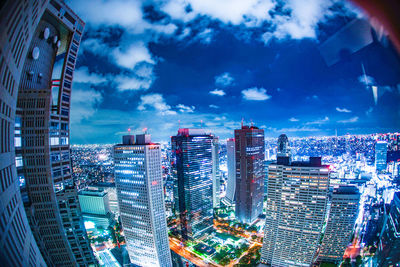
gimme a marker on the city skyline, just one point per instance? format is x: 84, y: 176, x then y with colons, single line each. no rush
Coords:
x: 157, y: 66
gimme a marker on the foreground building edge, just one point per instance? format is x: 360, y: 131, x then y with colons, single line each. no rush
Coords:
x: 19, y: 21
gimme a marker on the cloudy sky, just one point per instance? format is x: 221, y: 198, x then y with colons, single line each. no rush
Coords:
x: 296, y: 67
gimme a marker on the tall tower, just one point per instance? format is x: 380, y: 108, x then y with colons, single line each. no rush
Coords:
x: 380, y: 155
x: 38, y: 35
x: 192, y: 165
x: 283, y: 149
x: 215, y: 172
x: 139, y: 184
x: 342, y: 216
x: 231, y: 164
x: 249, y: 158
x: 296, y: 207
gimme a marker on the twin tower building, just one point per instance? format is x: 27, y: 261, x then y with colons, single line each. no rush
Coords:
x: 298, y: 194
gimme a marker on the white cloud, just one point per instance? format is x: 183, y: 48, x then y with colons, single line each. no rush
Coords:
x: 319, y: 121
x: 351, y: 120
x: 224, y: 80
x: 257, y: 94
x: 366, y: 80
x: 83, y: 102
x: 131, y: 83
x: 188, y: 109
x: 293, y: 119
x: 82, y: 75
x: 218, y: 92
x: 129, y: 57
x: 344, y: 110
x: 213, y: 106
x: 157, y: 102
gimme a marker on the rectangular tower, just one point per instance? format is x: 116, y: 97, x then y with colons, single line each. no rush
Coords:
x: 231, y: 165
x: 215, y: 172
x: 342, y: 216
x: 139, y: 186
x: 296, y: 206
x: 249, y: 158
x: 380, y: 155
x: 192, y: 165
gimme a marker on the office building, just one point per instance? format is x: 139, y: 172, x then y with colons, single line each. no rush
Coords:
x: 95, y: 207
x: 295, y: 213
x: 339, y: 229
x: 389, y: 245
x: 231, y: 165
x: 139, y: 186
x: 380, y: 155
x: 249, y: 160
x: 192, y: 167
x: 215, y: 173
x: 36, y: 36
x: 283, y: 147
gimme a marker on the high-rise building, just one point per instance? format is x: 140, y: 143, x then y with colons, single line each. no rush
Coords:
x: 249, y: 160
x: 342, y: 216
x: 215, y: 173
x: 389, y: 245
x: 231, y: 165
x: 95, y: 207
x: 283, y: 148
x: 140, y: 194
x: 36, y: 36
x: 295, y: 213
x: 192, y: 167
x: 380, y: 155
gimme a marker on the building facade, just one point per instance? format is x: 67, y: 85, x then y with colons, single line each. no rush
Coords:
x: 231, y: 166
x: 95, y: 207
x: 216, y: 173
x: 389, y: 245
x: 283, y: 148
x: 380, y: 155
x: 192, y: 166
x: 34, y: 35
x: 249, y: 162
x: 295, y: 212
x: 139, y: 186
x: 342, y: 216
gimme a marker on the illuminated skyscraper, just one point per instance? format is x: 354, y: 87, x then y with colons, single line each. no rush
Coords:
x: 342, y: 216
x: 139, y: 183
x: 215, y: 173
x: 296, y: 209
x: 39, y: 38
x: 380, y: 155
x: 192, y: 165
x: 231, y: 164
x: 249, y: 158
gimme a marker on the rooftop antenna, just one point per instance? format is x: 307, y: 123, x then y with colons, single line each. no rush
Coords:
x: 145, y: 130
x: 179, y: 124
x: 242, y: 122
x: 129, y: 131
x: 251, y: 122
x: 201, y: 123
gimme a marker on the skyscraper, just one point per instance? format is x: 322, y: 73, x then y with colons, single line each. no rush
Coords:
x: 380, y: 155
x: 342, y: 216
x: 249, y: 160
x: 215, y: 172
x: 95, y: 207
x: 231, y: 164
x: 139, y: 186
x: 283, y: 148
x: 192, y: 166
x: 389, y: 245
x: 296, y: 208
x: 36, y: 35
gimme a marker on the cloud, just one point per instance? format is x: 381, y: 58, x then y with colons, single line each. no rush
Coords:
x: 366, y: 80
x: 351, y: 120
x: 213, y: 106
x: 83, y: 102
x: 218, y: 92
x: 142, y: 77
x: 257, y: 94
x: 157, y: 102
x: 129, y: 57
x: 293, y: 119
x: 224, y: 80
x: 320, y: 121
x: 182, y: 108
x: 345, y: 110
x: 82, y: 75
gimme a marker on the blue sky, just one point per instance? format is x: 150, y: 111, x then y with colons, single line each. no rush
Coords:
x: 290, y: 67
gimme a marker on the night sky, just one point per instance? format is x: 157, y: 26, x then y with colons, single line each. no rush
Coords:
x: 207, y: 63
